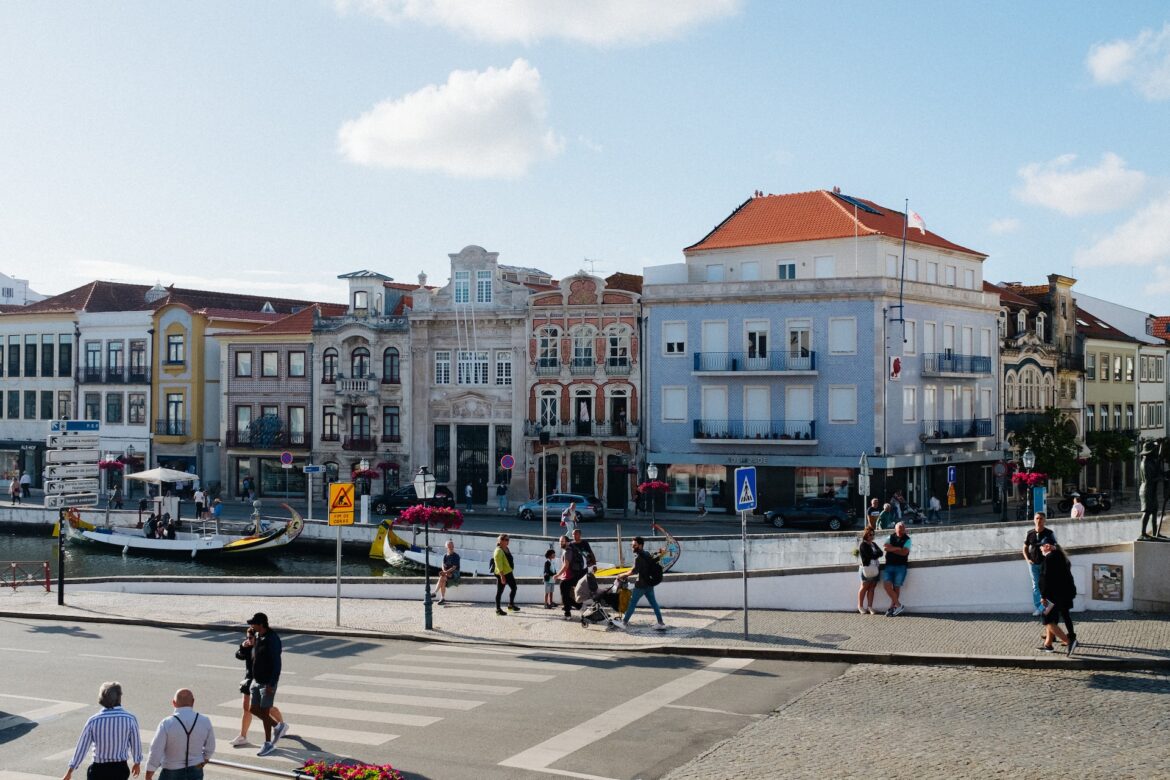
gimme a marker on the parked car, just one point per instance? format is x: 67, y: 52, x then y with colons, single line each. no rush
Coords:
x: 394, y: 502
x: 823, y: 512
x: 588, y: 507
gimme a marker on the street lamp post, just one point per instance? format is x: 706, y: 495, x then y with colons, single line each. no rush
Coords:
x: 424, y: 490
x: 1029, y: 459
x: 652, y: 474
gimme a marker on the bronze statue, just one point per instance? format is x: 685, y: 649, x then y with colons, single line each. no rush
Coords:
x: 1151, y: 469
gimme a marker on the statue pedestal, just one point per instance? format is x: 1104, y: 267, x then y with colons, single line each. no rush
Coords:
x: 1151, y: 576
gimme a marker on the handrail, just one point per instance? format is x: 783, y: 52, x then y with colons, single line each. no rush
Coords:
x: 13, y: 574
x: 261, y: 770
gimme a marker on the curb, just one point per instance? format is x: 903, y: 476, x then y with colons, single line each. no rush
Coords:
x: 1060, y: 662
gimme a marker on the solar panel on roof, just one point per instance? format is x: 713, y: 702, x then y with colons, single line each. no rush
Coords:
x: 855, y: 202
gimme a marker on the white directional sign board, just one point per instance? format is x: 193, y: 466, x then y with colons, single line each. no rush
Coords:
x: 71, y: 470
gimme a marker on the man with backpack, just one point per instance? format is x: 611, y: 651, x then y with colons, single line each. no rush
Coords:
x: 648, y: 572
x: 573, y: 568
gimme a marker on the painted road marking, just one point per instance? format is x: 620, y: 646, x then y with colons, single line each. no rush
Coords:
x: 381, y: 698
x: 493, y: 663
x: 426, y: 685
x: 517, y: 651
x: 345, y: 713
x: 540, y: 757
x: 125, y: 658
x: 712, y: 710
x: 49, y: 711
x: 21, y: 650
x: 232, y: 723
x: 441, y: 672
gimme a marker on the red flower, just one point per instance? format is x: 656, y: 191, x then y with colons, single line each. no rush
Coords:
x: 1031, y: 480
x: 449, y: 519
x: 653, y: 486
x: 116, y: 465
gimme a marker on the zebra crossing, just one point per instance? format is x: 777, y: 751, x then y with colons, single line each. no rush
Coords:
x: 364, y: 704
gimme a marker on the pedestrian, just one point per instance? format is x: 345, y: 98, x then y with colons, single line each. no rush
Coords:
x: 872, y: 514
x: 449, y: 574
x: 502, y: 496
x: 647, y: 573
x: 1058, y: 590
x: 701, y: 500
x: 244, y: 653
x: 467, y: 496
x: 572, y: 569
x: 885, y: 518
x: 266, y: 658
x: 897, y: 549
x: 898, y: 502
x: 502, y: 568
x: 550, y: 573
x: 183, y: 743
x: 933, y: 510
x: 26, y: 484
x: 116, y: 498
x: 1032, y: 554
x: 1078, y: 509
x: 570, y: 518
x: 14, y: 490
x: 200, y: 503
x: 113, y: 732
x: 216, y: 511
x: 583, y: 548
x: 868, y: 552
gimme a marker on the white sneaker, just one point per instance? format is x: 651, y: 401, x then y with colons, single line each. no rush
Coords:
x: 279, y: 732
x: 659, y: 626
x: 619, y: 623
x: 1037, y: 612
x: 239, y: 741
x: 266, y: 749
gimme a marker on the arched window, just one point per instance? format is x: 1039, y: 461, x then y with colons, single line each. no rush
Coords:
x: 329, y: 366
x: 1021, y: 322
x: 1003, y: 323
x: 583, y: 349
x: 390, y: 366
x: 1012, y: 389
x: 549, y: 409
x: 359, y: 362
x: 1040, y: 326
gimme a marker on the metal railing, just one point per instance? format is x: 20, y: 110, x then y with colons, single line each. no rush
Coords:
x: 1070, y: 361
x: 276, y: 440
x: 330, y: 437
x: 360, y: 443
x: 619, y: 430
x: 617, y: 366
x: 391, y: 438
x: 778, y: 430
x: 956, y: 429
x: 548, y: 366
x: 748, y: 362
x: 170, y: 427
x: 13, y: 574
x: 582, y: 365
x: 954, y: 363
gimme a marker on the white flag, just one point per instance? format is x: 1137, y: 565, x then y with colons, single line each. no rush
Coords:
x: 917, y: 222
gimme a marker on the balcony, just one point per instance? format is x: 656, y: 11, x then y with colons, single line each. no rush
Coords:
x: 138, y: 376
x: 617, y: 366
x: 365, y: 443
x: 582, y: 366
x: 582, y: 429
x: 1014, y: 422
x: 89, y: 375
x: 803, y: 432
x: 938, y: 363
x: 170, y: 427
x: 330, y: 437
x: 391, y: 438
x: 356, y: 386
x: 1070, y: 361
x: 752, y: 363
x: 548, y: 367
x: 935, y: 430
x: 277, y: 440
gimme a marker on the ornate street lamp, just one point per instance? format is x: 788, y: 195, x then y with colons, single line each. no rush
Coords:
x: 424, y: 490
x: 652, y: 474
x: 1029, y: 459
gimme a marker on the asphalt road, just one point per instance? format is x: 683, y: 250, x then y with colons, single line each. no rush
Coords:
x: 431, y: 710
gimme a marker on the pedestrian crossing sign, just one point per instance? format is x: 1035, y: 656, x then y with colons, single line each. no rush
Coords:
x: 341, y: 503
x: 745, y: 488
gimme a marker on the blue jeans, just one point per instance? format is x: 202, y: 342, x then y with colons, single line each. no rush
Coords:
x: 503, y: 501
x: 932, y: 516
x: 636, y: 596
x: 1035, y: 569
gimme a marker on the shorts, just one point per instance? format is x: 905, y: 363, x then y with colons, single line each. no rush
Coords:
x: 874, y: 578
x: 263, y: 696
x: 895, y: 575
x: 1052, y: 616
x: 550, y: 587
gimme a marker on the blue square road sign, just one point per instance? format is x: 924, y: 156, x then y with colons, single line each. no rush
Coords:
x: 745, y: 488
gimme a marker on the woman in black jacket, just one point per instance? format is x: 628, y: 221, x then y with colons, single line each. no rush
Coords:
x: 868, y: 552
x: 1057, y: 591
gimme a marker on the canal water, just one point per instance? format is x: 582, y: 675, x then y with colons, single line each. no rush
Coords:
x: 295, y: 560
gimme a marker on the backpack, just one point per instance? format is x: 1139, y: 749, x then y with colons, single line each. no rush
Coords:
x: 577, y: 561
x: 654, y: 572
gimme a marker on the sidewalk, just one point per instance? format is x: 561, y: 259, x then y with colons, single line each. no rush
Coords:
x: 1108, y: 640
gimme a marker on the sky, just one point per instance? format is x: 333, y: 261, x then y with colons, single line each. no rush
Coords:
x: 267, y: 147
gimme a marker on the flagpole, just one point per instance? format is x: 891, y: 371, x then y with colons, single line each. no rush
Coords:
x: 902, y: 273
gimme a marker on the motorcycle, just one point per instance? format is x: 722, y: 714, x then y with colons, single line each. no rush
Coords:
x: 1094, y: 502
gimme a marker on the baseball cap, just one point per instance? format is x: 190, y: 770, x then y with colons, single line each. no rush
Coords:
x: 259, y: 619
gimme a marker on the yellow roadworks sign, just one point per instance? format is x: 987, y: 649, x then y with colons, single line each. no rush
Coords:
x: 341, y: 503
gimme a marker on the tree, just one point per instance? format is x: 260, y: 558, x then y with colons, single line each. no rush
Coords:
x: 1054, y: 441
x: 1109, y: 447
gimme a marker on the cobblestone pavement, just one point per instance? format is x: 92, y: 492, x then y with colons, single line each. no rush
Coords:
x: 956, y: 722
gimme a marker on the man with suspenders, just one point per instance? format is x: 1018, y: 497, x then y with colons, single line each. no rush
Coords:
x: 183, y: 743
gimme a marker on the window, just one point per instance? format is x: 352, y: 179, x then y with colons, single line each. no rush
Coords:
x: 359, y: 363
x: 674, y: 404
x: 30, y: 356
x: 548, y: 348
x: 1040, y: 326
x: 910, y: 338
x: 931, y: 272
x: 176, y: 351
x: 296, y: 426
x: 1117, y: 368
x: 136, y: 408
x: 114, y: 407
x: 842, y: 404
x: 1, y: 360
x: 115, y: 359
x: 950, y: 276
x: 1117, y: 417
x: 391, y: 421
x: 503, y: 367
x: 176, y: 419
x: 138, y: 361
x: 269, y: 364
x: 329, y: 425
x: 361, y: 301
x: 65, y: 355
x: 329, y: 366
x: 93, y: 361
x: 549, y: 410
x: 296, y: 364
x: 93, y: 406
x: 14, y: 356
x: 583, y: 348
x: 1090, y: 365
x: 243, y: 364
x: 892, y: 266
x: 1129, y: 420
x: 13, y: 404
x: 47, y: 341
x: 799, y: 339
x: 1002, y: 320
x: 912, y: 269
x: 483, y: 286
x: 715, y: 272
x: 757, y: 338
x: 64, y: 404
x: 443, y: 367
x: 786, y: 269
x: 46, y: 404
x: 1090, y: 418
x: 969, y: 278
x: 472, y: 367
x: 243, y: 424
x: 674, y: 338
x: 618, y: 345
x: 824, y: 267
x: 1129, y: 368
x: 442, y: 464
x: 842, y: 336
x: 749, y: 271
x: 1159, y: 369
x: 462, y: 286
x: 359, y: 423
x: 909, y: 404
x: 391, y: 366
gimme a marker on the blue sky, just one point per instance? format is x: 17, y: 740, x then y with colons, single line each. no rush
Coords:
x: 268, y: 147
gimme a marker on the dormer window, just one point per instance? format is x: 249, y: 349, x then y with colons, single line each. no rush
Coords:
x: 1021, y: 322
x: 361, y: 301
x: 462, y: 286
x: 483, y: 286
x: 1003, y: 323
x: 267, y: 308
x: 1040, y: 326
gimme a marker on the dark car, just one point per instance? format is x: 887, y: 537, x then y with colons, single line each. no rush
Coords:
x: 403, y: 497
x: 588, y: 507
x: 820, y: 512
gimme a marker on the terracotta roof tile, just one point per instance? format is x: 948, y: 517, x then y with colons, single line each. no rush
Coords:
x: 1160, y: 328
x: 1008, y: 294
x: 627, y: 282
x: 812, y: 216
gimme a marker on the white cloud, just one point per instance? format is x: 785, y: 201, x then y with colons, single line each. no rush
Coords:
x: 480, y: 124
x: 1143, y: 60
x: 1096, y: 190
x: 596, y: 22
x: 590, y: 144
x: 1143, y: 239
x: 1004, y: 225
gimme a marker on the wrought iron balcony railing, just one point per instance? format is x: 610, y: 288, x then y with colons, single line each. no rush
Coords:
x: 954, y: 363
x: 741, y: 430
x: 170, y: 427
x: 957, y: 429
x: 748, y: 362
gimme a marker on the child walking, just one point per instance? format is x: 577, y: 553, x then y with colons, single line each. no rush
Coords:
x: 550, y: 571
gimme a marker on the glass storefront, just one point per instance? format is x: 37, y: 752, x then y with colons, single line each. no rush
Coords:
x: 275, y: 480
x: 685, y: 479
x: 824, y: 482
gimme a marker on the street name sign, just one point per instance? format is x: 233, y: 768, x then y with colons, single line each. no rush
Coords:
x: 70, y: 486
x: 70, y: 426
x: 72, y: 441
x: 311, y: 469
x: 67, y: 500
x: 71, y: 463
x: 71, y: 471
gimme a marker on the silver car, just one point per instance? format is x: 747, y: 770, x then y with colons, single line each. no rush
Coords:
x: 588, y: 507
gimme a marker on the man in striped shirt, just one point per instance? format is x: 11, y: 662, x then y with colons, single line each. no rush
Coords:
x: 113, y: 732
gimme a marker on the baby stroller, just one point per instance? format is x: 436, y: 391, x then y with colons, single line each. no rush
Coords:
x: 596, y: 602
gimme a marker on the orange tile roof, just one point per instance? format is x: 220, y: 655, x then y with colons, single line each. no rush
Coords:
x: 1161, y: 328
x: 1093, y: 327
x: 812, y: 216
x: 1009, y: 294
x: 623, y: 281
